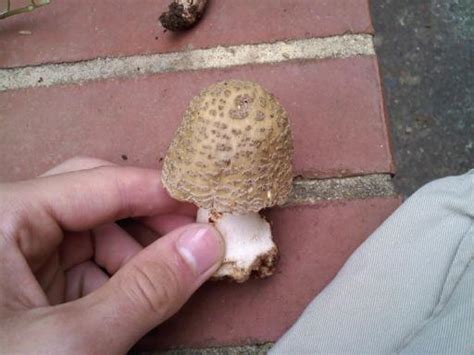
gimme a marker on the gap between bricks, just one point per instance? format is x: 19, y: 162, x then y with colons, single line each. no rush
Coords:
x: 344, y: 46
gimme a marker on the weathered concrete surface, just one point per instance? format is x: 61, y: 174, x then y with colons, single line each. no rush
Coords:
x: 425, y: 48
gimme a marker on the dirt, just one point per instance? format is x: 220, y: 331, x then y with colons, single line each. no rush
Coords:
x: 177, y: 19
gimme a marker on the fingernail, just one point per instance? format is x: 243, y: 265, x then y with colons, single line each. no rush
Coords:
x: 201, y: 247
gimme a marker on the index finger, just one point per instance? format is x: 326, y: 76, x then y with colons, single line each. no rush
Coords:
x: 83, y: 199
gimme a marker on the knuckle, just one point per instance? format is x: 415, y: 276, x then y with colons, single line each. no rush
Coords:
x: 121, y: 191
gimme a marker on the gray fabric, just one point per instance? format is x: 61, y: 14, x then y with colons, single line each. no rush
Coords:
x: 407, y: 289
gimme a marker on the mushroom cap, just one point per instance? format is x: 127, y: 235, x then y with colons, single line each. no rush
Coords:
x: 232, y: 152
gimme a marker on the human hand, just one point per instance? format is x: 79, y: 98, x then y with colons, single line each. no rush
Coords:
x: 73, y: 281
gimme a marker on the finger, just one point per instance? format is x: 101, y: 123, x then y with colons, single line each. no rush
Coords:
x: 78, y: 201
x: 47, y: 273
x: 83, y: 279
x: 83, y: 199
x: 141, y: 233
x: 55, y: 291
x: 163, y: 224
x: 19, y: 288
x: 146, y: 230
x: 113, y: 247
x: 83, y: 163
x: 151, y: 286
x: 75, y: 164
x: 76, y: 248
x: 187, y: 209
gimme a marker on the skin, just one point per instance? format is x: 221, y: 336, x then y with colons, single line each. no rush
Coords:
x: 72, y: 281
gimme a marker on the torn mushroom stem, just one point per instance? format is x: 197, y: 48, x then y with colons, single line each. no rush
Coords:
x: 249, y: 244
x: 183, y: 14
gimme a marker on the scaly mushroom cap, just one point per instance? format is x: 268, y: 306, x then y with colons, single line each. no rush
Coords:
x: 232, y: 152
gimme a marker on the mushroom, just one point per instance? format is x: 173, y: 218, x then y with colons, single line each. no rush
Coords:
x: 182, y: 14
x: 231, y: 156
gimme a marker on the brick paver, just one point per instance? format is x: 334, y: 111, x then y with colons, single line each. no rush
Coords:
x: 336, y: 112
x: 335, y: 108
x: 314, y: 241
x: 71, y: 30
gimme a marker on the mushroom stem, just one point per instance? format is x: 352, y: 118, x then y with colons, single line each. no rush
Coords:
x: 182, y: 14
x: 249, y: 245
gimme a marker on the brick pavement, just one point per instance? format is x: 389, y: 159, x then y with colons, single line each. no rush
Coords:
x: 122, y: 84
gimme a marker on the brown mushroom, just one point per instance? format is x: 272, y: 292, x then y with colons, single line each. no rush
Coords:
x: 231, y: 156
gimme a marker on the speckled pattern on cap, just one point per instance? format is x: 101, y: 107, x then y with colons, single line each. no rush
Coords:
x: 232, y: 152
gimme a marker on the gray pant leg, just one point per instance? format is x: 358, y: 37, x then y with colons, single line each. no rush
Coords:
x: 408, y: 288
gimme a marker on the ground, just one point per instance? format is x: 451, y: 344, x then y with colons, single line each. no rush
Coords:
x: 119, y: 95
x: 425, y: 51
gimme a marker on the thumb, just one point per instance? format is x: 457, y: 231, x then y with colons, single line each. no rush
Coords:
x: 152, y: 286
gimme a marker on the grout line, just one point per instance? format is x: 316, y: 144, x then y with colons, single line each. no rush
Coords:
x: 218, y: 57
x: 357, y: 187
x: 258, y: 349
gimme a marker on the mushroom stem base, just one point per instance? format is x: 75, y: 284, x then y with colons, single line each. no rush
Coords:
x: 249, y: 245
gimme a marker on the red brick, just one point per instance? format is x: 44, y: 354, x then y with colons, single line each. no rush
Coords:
x: 314, y: 241
x: 335, y: 108
x: 70, y: 30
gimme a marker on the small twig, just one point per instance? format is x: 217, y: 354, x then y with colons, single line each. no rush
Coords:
x: 34, y: 4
